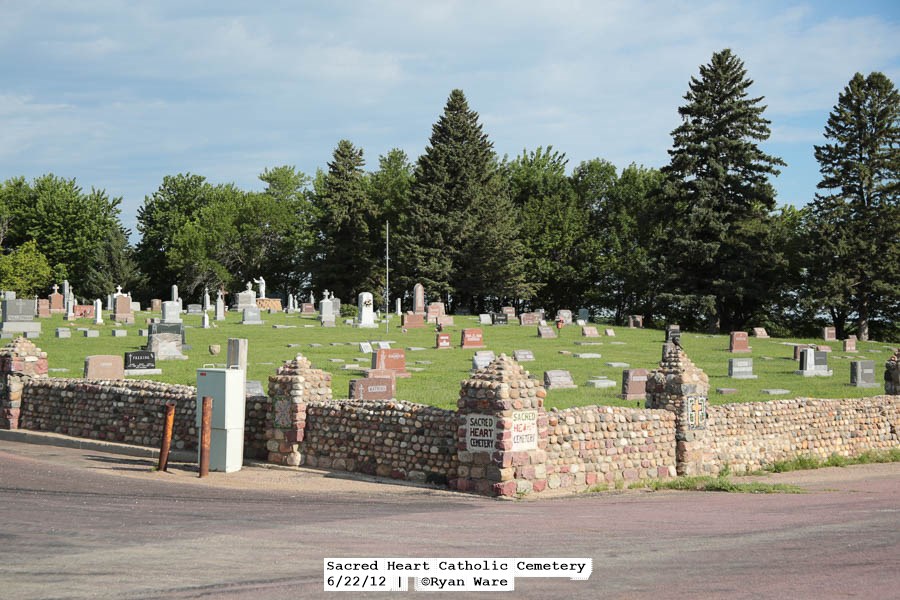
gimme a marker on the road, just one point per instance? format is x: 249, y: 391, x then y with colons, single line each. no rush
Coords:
x: 83, y: 524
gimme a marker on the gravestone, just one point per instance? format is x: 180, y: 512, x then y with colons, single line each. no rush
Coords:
x: 413, y: 321
x: 204, y: 321
x: 327, y: 315
x: 589, y: 331
x: 365, y: 347
x: 760, y: 332
x: 829, y: 334
x: 813, y: 363
x: 83, y: 311
x: 584, y: 314
x: 373, y: 388
x: 442, y: 341
x: 610, y: 333
x: 57, y: 302
x: 194, y: 309
x: 419, y: 299
x: 636, y: 321
x: 435, y: 310
x: 43, y: 309
x: 472, y: 338
x: 250, y: 316
x: 558, y: 379
x: 245, y: 299
x: 391, y: 360
x: 741, y: 368
x: 634, y: 384
x: 165, y: 346
x: 91, y: 333
x: 862, y: 373
x: 220, y: 309
x: 601, y: 382
x: 171, y: 312
x: 509, y: 311
x: 738, y: 342
x: 484, y: 319
x: 236, y: 353
x: 174, y: 295
x: 531, y: 318
x: 482, y: 359
x: 444, y: 320
x: 849, y: 345
x: 499, y: 319
x: 122, y: 312
x: 672, y: 331
x: 135, y: 306
x: 104, y: 366
x: 365, y: 316
x: 18, y: 317
x: 565, y: 316
x: 63, y: 332
x: 523, y: 355
x: 119, y: 332
x: 307, y: 308
x: 156, y: 305
x: 546, y: 332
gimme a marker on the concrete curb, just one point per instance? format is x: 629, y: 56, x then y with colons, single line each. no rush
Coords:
x: 54, y: 439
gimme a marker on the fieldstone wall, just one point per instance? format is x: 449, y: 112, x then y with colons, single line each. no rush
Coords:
x: 749, y: 436
x: 118, y: 411
x: 394, y: 439
x: 604, y: 444
x: 20, y: 362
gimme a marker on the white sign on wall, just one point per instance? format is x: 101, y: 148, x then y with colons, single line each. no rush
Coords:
x: 524, y: 430
x: 481, y: 432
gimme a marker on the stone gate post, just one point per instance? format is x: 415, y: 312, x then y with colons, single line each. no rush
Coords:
x: 294, y: 385
x: 502, y: 434
x: 20, y: 360
x: 681, y: 387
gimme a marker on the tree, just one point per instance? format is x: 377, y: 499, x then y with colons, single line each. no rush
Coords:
x: 625, y: 236
x: 347, y: 257
x: 389, y: 192
x: 458, y: 196
x: 177, y: 201
x: 25, y: 270
x: 79, y: 234
x: 719, y: 198
x: 554, y: 228
x: 854, y: 266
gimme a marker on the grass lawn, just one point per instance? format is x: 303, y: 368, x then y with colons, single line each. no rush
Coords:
x: 437, y: 383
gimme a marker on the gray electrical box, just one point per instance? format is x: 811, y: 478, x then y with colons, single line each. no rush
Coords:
x: 226, y: 388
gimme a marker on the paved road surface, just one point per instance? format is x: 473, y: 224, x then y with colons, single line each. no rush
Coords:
x: 84, y: 524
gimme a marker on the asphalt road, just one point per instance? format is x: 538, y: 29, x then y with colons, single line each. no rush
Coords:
x: 84, y: 524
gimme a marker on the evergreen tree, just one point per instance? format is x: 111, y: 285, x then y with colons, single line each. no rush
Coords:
x: 719, y: 200
x: 854, y: 266
x: 459, y: 216
x: 347, y: 258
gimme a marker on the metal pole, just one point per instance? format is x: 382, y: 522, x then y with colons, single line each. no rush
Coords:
x: 167, y: 436
x: 387, y: 275
x: 205, y: 431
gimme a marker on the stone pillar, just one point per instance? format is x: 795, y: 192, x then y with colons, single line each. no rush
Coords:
x: 892, y: 375
x: 20, y: 360
x: 502, y: 435
x: 237, y: 353
x: 293, y: 386
x: 681, y: 387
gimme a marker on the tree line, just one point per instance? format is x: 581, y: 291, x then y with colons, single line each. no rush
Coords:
x: 701, y: 242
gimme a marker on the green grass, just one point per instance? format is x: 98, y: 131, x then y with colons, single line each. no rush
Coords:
x: 802, y: 463
x: 722, y: 483
x: 438, y: 382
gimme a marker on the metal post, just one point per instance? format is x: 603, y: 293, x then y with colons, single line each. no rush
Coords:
x: 387, y: 276
x: 166, y: 437
x: 205, y: 432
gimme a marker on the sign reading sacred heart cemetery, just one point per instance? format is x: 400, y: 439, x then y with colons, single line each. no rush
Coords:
x: 481, y: 431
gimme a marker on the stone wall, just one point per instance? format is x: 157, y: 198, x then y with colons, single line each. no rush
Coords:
x: 118, y: 411
x: 604, y: 445
x: 394, y: 439
x: 749, y: 436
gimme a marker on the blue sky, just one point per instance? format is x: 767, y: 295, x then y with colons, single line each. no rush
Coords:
x: 120, y: 94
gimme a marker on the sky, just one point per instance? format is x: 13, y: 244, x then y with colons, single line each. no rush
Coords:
x: 117, y: 95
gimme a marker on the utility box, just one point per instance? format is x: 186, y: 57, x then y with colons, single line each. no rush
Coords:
x: 226, y: 388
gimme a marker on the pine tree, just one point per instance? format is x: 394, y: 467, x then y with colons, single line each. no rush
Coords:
x: 346, y: 260
x: 456, y: 196
x: 854, y: 265
x: 719, y: 199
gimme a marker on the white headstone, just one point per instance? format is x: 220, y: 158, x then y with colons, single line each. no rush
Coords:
x: 398, y: 309
x: 205, y: 320
x: 98, y: 312
x: 365, y: 311
x: 171, y: 312
x: 206, y: 299
x: 220, y: 309
x: 174, y: 293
